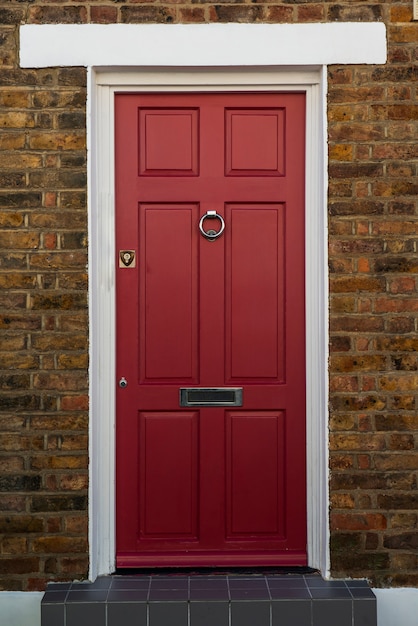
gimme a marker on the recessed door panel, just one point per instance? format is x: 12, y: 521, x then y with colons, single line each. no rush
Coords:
x: 255, y: 142
x: 255, y: 472
x: 168, y: 475
x: 255, y: 307
x: 168, y: 304
x: 210, y: 329
x: 168, y: 142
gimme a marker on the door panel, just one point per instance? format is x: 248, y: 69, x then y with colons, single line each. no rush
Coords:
x: 168, y: 304
x: 255, y: 337
x: 168, y: 475
x: 210, y: 485
x: 255, y: 472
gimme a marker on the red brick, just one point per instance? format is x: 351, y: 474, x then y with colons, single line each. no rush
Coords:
x: 348, y: 521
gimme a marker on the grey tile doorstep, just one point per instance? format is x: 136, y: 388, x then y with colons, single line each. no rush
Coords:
x: 127, y: 614
x: 85, y: 614
x: 125, y: 582
x: 53, y: 615
x: 291, y: 594
x: 209, y: 613
x: 208, y: 582
x: 169, y: 582
x: 286, y: 582
x: 364, y: 613
x: 209, y: 595
x: 168, y: 614
x: 247, y: 582
x: 128, y: 595
x: 362, y: 592
x: 54, y: 597
x: 292, y: 613
x: 249, y: 594
x: 330, y: 593
x: 250, y: 613
x: 168, y: 595
x: 332, y: 612
x: 86, y: 596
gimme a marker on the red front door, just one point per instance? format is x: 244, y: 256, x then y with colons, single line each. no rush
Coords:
x: 210, y: 329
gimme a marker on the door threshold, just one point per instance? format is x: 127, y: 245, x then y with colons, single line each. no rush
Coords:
x: 216, y: 571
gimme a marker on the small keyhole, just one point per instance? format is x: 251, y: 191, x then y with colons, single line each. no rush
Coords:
x: 123, y: 383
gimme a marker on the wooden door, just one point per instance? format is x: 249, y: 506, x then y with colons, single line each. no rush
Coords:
x: 213, y: 477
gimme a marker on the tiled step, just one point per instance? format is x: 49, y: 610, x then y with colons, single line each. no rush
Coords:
x: 214, y: 600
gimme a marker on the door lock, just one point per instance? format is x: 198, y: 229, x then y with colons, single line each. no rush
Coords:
x: 123, y: 382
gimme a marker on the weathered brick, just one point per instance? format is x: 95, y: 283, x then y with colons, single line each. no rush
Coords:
x: 57, y: 545
x: 362, y: 363
x: 58, y: 503
x: 354, y: 13
x: 57, y: 14
x: 355, y: 441
x: 148, y: 14
x: 26, y: 565
x: 352, y: 521
x: 21, y: 524
x: 63, y: 461
x: 348, y: 284
x: 103, y: 14
x: 355, y: 403
x: 393, y: 461
x: 57, y: 141
x: 13, y: 545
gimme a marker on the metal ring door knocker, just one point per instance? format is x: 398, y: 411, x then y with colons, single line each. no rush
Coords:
x: 211, y: 235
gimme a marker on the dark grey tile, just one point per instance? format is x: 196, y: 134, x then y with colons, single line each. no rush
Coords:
x: 125, y: 582
x: 290, y: 594
x: 128, y: 614
x: 51, y: 597
x: 87, y: 596
x: 357, y: 583
x: 362, y: 592
x: 167, y: 595
x: 247, y: 583
x: 85, y: 614
x: 52, y: 615
x: 209, y: 614
x: 171, y: 582
x: 208, y: 582
x: 250, y: 613
x: 330, y: 593
x: 291, y: 613
x: 214, y: 595
x: 249, y: 594
x: 332, y: 612
x: 127, y: 595
x: 168, y: 614
x: 288, y: 582
x: 365, y: 613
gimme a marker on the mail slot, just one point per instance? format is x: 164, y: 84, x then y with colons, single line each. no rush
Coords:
x: 211, y: 396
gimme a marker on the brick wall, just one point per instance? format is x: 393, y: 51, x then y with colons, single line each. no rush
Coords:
x: 373, y: 305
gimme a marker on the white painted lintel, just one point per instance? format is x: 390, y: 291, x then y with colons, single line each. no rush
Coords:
x: 210, y: 45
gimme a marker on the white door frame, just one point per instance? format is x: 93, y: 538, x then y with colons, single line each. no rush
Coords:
x: 249, y: 57
x: 104, y: 85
